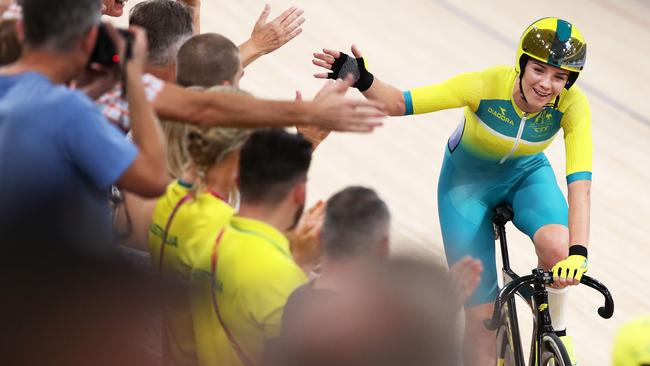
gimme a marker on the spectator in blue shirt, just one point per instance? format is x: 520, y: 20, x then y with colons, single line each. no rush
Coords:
x: 58, y: 155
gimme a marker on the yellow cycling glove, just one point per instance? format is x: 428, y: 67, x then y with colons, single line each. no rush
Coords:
x: 574, y: 266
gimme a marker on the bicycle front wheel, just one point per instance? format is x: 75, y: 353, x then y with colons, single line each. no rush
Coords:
x: 505, y: 352
x: 553, y: 351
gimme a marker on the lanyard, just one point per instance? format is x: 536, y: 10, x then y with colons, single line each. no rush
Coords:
x: 242, y: 356
x: 180, y: 203
x: 233, y: 342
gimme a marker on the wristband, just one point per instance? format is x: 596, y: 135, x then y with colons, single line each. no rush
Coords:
x: 578, y: 250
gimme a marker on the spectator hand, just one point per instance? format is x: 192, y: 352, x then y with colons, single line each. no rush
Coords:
x: 314, y: 134
x: 268, y: 37
x: 97, y: 80
x: 465, y: 276
x: 335, y: 112
x: 305, y: 238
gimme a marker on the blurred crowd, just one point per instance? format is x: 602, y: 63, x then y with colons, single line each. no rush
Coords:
x: 120, y: 144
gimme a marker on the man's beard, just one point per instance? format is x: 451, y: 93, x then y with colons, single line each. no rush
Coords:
x: 297, y: 216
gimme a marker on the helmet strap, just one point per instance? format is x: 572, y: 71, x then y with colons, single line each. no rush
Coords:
x: 521, y: 87
x: 554, y: 104
x: 523, y: 60
x: 573, y: 76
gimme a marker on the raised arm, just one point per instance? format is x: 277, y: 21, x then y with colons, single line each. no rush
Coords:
x: 269, y: 36
x: 147, y: 176
x: 391, y: 97
x: 459, y: 91
x: 330, y: 109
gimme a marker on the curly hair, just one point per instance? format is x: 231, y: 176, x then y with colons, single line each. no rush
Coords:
x: 202, y: 146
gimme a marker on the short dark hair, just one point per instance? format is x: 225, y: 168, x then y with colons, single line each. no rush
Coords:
x: 272, y: 162
x: 10, y: 47
x: 207, y: 60
x: 355, y: 221
x: 168, y: 24
x: 58, y: 24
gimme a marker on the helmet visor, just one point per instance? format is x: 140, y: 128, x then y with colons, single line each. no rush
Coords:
x: 546, y: 45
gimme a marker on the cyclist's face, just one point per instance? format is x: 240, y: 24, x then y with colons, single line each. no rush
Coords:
x: 113, y: 8
x: 542, y: 83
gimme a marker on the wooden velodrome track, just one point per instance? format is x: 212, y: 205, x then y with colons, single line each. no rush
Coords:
x: 418, y: 42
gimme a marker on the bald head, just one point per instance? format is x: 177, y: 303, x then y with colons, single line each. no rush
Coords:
x: 207, y: 60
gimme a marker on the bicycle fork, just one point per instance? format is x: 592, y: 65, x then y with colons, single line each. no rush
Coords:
x: 542, y: 323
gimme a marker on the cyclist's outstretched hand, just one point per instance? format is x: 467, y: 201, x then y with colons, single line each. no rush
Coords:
x: 569, y: 271
x: 340, y: 64
x: 329, y: 57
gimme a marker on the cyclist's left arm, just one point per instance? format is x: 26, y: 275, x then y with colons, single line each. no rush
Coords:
x: 576, y: 124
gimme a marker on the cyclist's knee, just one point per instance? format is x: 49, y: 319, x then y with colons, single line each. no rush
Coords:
x: 552, y: 244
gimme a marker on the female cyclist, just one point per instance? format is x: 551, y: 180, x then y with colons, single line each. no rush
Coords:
x: 495, y: 155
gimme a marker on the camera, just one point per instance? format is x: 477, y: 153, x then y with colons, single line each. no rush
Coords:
x: 105, y: 53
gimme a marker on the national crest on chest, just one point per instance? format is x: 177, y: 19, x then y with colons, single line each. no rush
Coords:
x: 501, y: 118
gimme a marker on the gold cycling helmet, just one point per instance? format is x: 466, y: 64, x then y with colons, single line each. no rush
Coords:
x: 555, y: 42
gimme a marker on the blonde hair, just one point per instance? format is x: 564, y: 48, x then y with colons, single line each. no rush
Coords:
x: 202, y: 146
x: 176, y: 134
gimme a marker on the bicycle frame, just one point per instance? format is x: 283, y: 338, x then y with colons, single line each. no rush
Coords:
x: 537, y: 299
x: 512, y: 320
x: 532, y: 289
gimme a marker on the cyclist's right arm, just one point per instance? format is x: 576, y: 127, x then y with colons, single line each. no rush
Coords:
x: 458, y: 91
x: 462, y: 90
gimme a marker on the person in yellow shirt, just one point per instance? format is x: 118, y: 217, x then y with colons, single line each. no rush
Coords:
x: 511, y: 114
x: 252, y: 262
x: 187, y: 218
x: 632, y: 343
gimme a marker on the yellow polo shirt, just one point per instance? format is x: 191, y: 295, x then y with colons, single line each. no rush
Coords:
x: 195, y: 226
x: 255, y: 274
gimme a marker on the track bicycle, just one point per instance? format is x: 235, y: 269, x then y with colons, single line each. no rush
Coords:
x: 546, y: 346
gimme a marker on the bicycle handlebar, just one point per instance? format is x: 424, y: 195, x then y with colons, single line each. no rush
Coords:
x: 545, y: 278
x: 606, y: 311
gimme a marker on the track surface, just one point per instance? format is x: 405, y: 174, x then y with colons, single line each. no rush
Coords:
x: 428, y: 41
